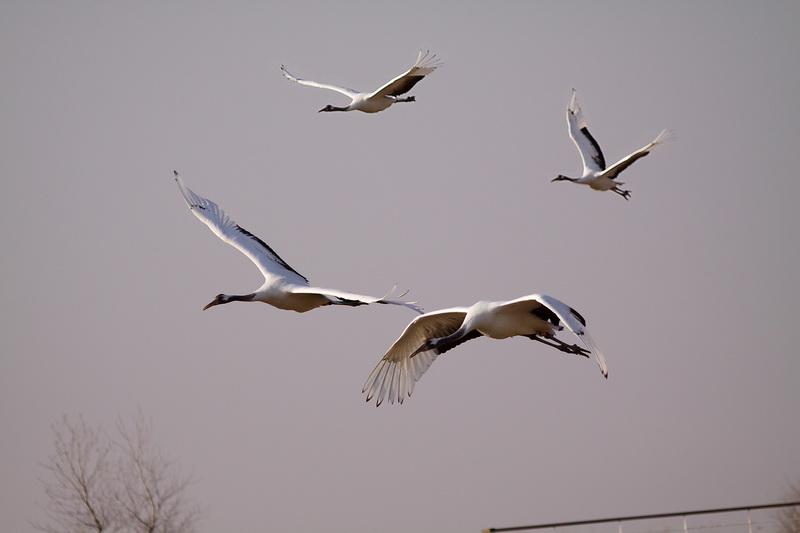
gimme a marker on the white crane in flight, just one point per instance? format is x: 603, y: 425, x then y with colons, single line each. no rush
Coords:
x: 284, y: 287
x: 385, y: 96
x: 595, y: 173
x: 536, y: 316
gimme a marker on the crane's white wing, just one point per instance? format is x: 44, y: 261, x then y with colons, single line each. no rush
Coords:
x: 425, y: 64
x: 591, y: 155
x: 335, y: 294
x: 344, y: 90
x: 396, y: 373
x: 229, y: 231
x: 569, y: 317
x: 627, y: 161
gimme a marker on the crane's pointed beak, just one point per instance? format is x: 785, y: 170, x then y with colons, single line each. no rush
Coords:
x: 216, y: 301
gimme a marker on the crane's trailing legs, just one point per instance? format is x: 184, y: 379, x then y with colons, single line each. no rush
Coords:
x: 560, y: 345
x: 625, y: 194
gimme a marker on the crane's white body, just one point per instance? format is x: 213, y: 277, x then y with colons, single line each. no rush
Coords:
x: 536, y: 316
x: 283, y: 287
x: 595, y: 173
x: 385, y: 96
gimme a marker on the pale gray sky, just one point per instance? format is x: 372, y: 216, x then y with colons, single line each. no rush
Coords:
x: 690, y: 288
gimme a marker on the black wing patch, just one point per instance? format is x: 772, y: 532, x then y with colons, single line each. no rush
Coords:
x: 474, y: 334
x: 626, y: 163
x: 598, y: 156
x: 280, y: 261
x: 351, y: 303
x: 407, y: 84
x: 546, y: 314
x: 578, y: 316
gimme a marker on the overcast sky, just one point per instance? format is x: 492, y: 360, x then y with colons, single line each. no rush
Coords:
x: 691, y: 288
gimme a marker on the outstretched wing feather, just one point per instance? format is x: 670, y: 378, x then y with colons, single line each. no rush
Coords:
x: 577, y: 325
x: 565, y: 315
x: 589, y: 148
x: 424, y: 65
x: 267, y: 260
x: 614, y: 170
x: 385, y: 378
x: 344, y: 90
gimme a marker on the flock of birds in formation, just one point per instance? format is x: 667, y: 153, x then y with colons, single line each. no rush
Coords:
x: 535, y: 316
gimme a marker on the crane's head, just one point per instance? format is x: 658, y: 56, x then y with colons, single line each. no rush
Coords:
x: 562, y: 177
x: 218, y: 299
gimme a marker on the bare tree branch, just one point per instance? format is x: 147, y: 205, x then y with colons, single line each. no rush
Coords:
x: 153, y: 487
x: 78, y: 496
x: 102, y: 485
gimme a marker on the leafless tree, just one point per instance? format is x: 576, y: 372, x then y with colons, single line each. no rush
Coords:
x: 104, y: 485
x: 150, y: 487
x: 78, y: 496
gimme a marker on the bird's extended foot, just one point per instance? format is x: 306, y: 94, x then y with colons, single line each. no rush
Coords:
x: 570, y: 348
x: 624, y: 193
x: 577, y: 350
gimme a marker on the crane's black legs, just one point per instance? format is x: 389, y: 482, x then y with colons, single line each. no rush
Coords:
x: 625, y: 194
x: 560, y: 345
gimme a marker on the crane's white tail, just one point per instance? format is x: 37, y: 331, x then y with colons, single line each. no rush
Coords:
x: 396, y: 300
x: 665, y: 135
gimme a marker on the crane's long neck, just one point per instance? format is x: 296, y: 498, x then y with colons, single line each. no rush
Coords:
x: 228, y: 298
x: 562, y: 177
